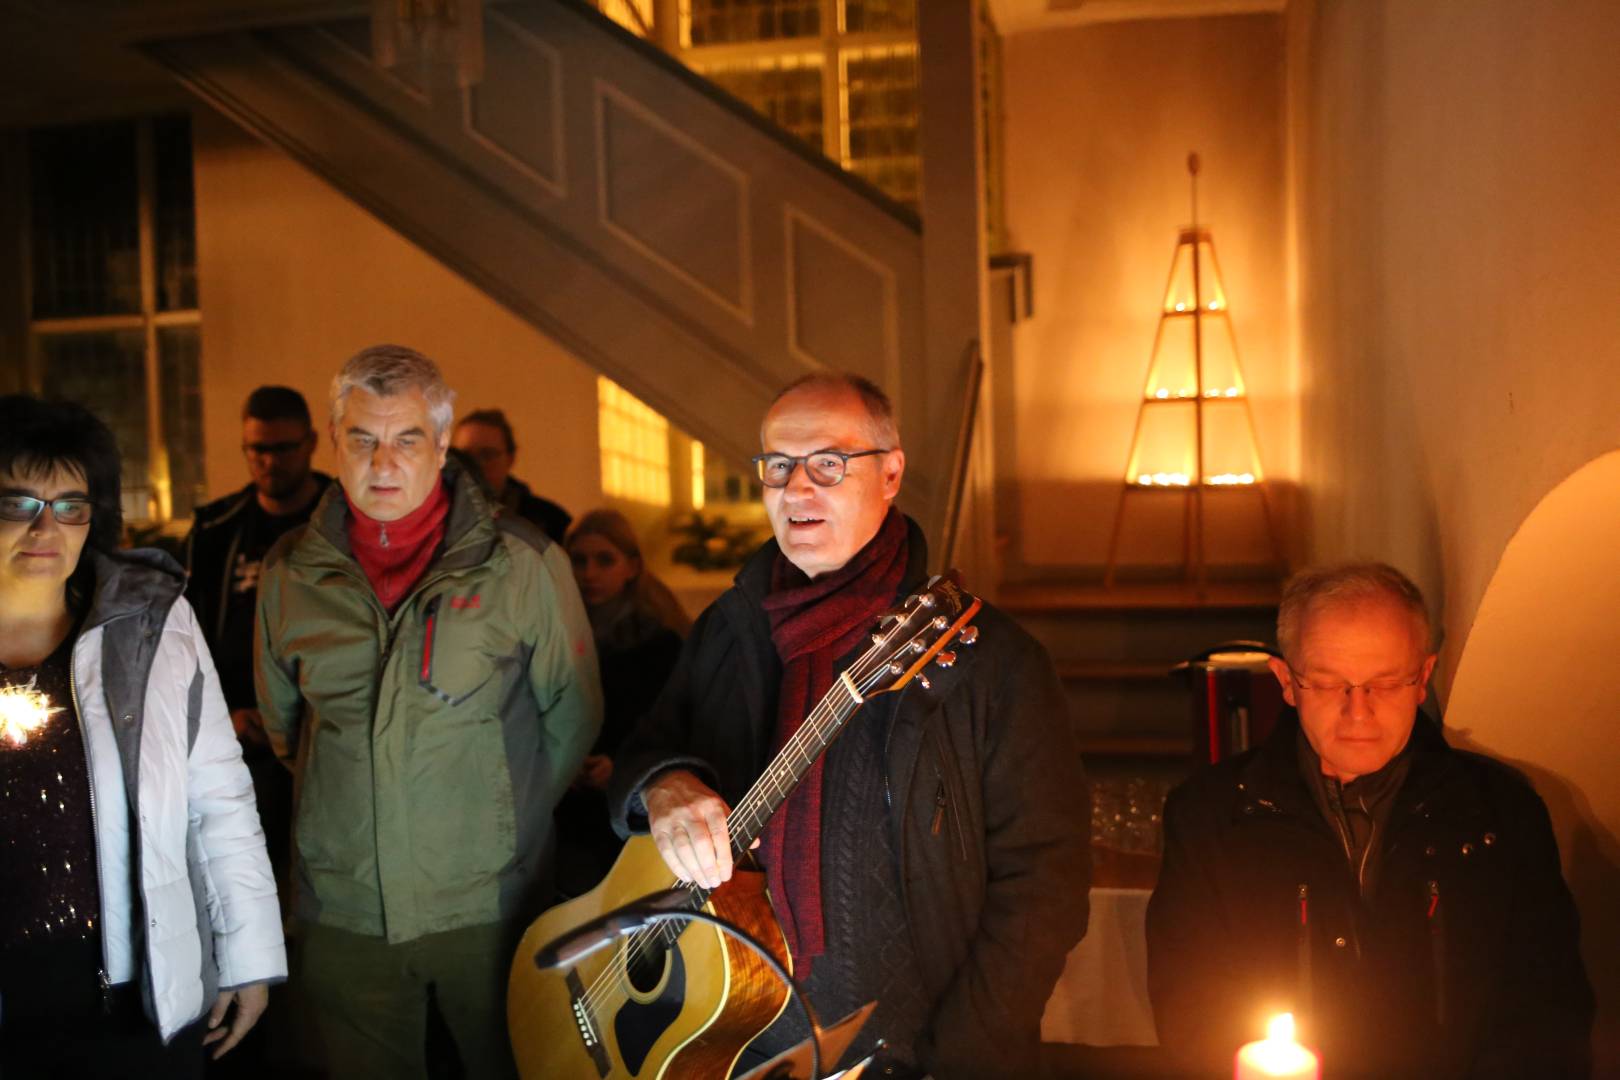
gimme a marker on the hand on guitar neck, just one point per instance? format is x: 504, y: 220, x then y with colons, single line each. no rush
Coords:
x: 688, y: 823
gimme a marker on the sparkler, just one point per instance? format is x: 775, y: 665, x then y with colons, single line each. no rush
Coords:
x: 23, y: 711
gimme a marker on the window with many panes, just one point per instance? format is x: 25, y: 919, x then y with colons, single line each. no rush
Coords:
x: 634, y: 443
x: 112, y: 296
x: 839, y: 74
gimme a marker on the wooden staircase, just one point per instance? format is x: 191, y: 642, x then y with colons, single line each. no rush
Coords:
x: 1115, y: 647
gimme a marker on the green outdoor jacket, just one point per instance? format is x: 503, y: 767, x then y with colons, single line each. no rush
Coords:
x: 430, y: 746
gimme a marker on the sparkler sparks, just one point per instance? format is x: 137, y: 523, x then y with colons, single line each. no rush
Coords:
x: 23, y: 711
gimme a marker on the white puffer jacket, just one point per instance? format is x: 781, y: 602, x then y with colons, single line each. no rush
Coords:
x: 173, y: 804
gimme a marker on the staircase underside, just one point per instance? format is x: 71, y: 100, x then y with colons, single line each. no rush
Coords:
x: 648, y: 224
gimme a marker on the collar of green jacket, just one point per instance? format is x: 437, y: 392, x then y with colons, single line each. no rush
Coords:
x: 470, y: 535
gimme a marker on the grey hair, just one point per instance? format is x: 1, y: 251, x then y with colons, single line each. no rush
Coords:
x: 879, y: 409
x: 386, y: 370
x: 1347, y: 582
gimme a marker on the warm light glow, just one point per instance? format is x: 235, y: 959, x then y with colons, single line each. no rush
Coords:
x: 23, y: 711
x: 1231, y: 479
x: 634, y: 441
x: 1278, y: 1055
x: 698, y: 489
x: 1164, y: 480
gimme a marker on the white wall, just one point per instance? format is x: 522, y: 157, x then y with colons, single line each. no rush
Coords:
x: 295, y: 279
x: 1455, y: 176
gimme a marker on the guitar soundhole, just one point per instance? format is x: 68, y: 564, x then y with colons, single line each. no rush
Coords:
x: 644, y: 965
x: 638, y: 1026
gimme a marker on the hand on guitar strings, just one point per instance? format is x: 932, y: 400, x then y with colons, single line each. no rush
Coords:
x: 688, y: 823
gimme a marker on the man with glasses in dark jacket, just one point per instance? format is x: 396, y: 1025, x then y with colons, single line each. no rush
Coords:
x: 936, y: 859
x: 224, y: 553
x: 1402, y: 898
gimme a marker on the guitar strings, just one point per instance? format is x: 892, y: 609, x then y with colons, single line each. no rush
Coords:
x: 638, y: 946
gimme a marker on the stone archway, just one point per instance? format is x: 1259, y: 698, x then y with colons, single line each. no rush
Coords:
x: 1538, y: 685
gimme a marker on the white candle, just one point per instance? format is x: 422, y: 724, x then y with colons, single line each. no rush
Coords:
x: 1277, y: 1055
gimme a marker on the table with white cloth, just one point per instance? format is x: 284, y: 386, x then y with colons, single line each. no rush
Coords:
x: 1101, y: 999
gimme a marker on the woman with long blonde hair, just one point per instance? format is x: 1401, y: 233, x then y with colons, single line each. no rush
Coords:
x: 638, y: 625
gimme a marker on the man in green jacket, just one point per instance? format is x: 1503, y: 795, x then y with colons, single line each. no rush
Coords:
x: 429, y: 673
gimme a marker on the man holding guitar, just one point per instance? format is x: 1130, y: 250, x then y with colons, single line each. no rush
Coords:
x: 935, y: 857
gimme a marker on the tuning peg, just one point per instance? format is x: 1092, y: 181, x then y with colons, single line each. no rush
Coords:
x: 945, y: 659
x: 924, y: 683
x: 927, y: 600
x: 969, y: 635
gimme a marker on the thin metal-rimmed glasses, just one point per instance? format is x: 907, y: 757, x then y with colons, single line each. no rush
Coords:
x: 825, y: 468
x: 1377, y: 690
x: 28, y: 508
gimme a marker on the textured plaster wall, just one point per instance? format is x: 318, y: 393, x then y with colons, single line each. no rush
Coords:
x: 1455, y: 186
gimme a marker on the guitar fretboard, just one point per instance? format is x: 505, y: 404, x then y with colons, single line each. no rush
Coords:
x: 747, y: 820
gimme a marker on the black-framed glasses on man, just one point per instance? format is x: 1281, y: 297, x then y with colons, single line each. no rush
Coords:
x: 826, y: 468
x: 28, y: 508
x: 1375, y: 689
x: 272, y: 449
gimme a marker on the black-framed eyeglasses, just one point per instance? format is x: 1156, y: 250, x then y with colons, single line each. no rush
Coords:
x: 273, y: 449
x: 825, y: 468
x: 1377, y: 690
x: 27, y: 508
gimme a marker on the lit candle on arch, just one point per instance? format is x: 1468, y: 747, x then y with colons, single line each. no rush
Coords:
x: 1277, y: 1055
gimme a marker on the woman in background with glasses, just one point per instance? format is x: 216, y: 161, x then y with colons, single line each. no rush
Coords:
x: 638, y: 624
x: 138, y: 916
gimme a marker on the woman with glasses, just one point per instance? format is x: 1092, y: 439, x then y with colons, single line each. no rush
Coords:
x: 138, y: 917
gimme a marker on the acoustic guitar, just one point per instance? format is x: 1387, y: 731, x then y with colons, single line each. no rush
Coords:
x: 681, y: 1000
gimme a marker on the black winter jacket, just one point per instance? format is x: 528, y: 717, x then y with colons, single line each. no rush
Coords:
x: 210, y: 554
x: 990, y: 813
x: 1463, y: 963
x: 543, y: 514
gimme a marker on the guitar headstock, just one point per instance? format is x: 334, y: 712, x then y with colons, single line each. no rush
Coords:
x: 923, y: 630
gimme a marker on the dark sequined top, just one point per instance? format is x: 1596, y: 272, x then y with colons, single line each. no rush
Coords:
x: 47, y: 828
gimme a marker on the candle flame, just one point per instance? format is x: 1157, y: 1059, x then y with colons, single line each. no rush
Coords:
x: 23, y: 711
x: 1281, y: 1028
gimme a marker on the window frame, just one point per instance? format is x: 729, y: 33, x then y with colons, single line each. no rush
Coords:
x: 148, y: 321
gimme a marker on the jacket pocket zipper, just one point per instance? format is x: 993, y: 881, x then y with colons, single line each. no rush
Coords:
x: 430, y: 618
x: 1304, y: 973
x: 1437, y: 951
x: 942, y: 802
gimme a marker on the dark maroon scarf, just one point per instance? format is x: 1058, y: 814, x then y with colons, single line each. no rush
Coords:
x: 813, y: 624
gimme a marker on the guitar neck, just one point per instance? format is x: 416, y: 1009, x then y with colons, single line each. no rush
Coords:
x: 791, y: 764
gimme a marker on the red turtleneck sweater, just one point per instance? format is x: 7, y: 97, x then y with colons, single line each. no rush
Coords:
x: 395, y: 554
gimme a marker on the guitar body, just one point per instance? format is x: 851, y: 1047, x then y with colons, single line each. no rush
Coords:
x: 687, y: 1012
x: 671, y: 1008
